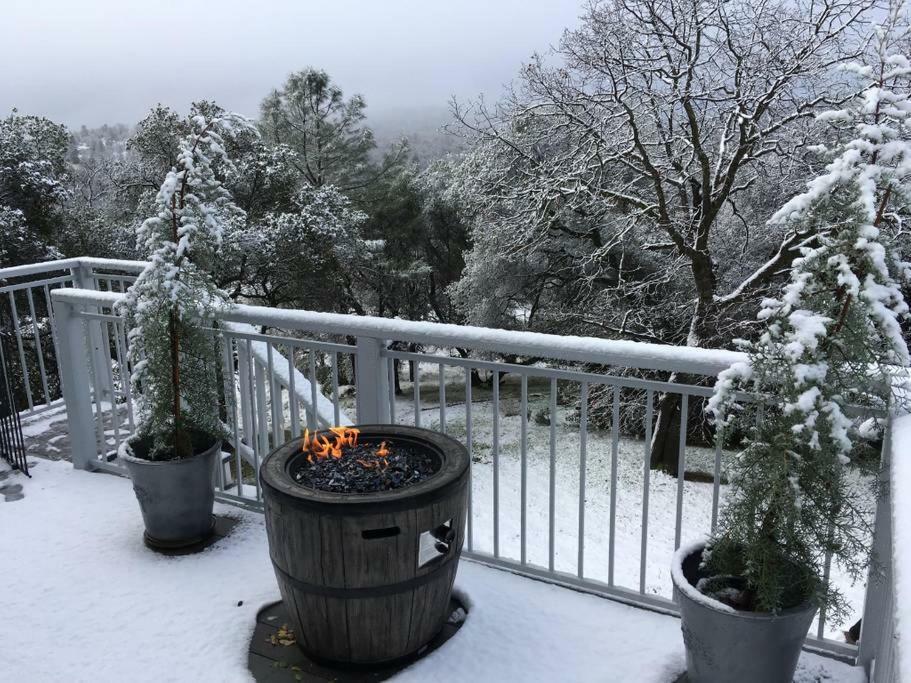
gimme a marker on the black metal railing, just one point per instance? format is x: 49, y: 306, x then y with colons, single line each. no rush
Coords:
x: 12, y: 444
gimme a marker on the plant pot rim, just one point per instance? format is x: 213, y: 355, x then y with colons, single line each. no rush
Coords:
x: 125, y: 452
x: 689, y: 591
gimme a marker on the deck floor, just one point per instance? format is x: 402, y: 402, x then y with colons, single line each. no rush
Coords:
x: 85, y: 600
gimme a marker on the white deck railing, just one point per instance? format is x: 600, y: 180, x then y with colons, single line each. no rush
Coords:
x: 551, y: 496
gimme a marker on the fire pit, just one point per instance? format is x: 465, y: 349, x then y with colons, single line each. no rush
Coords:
x: 365, y: 530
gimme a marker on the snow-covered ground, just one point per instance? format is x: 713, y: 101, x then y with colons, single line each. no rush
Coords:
x: 84, y: 600
x: 662, y: 489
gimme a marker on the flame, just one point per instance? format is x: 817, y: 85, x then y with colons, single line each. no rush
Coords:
x: 320, y: 446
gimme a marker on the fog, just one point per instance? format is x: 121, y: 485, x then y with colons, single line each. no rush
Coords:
x: 100, y: 61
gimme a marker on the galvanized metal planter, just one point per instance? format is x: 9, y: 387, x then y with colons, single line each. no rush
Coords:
x: 176, y: 497
x: 726, y: 645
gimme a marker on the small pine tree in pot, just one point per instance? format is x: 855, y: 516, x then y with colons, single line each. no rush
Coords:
x: 807, y: 400
x: 174, y: 354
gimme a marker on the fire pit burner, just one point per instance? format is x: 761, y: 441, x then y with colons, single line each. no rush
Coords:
x: 339, y: 460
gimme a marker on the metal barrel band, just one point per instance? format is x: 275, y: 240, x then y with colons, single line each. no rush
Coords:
x: 368, y: 591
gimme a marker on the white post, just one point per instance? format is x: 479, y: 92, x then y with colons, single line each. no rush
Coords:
x: 372, y: 381
x: 877, y: 608
x: 101, y: 356
x: 74, y: 376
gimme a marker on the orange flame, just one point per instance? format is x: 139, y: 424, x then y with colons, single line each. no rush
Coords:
x: 319, y: 447
x: 382, y: 451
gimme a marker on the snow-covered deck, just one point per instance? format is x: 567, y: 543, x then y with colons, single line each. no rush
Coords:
x: 84, y: 600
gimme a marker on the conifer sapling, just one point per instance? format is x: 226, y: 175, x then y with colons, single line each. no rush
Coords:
x: 174, y: 356
x: 811, y: 396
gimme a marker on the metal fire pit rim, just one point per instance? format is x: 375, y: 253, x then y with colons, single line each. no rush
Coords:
x: 276, y: 479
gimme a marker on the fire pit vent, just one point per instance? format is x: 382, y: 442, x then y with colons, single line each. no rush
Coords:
x: 365, y: 555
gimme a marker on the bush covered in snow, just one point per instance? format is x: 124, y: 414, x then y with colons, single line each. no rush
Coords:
x: 174, y: 357
x: 823, y: 366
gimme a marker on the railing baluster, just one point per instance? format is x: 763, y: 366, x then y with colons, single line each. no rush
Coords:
x: 229, y: 376
x: 552, y: 488
x: 26, y: 381
x: 97, y: 394
x: 716, y: 482
x: 390, y: 367
x: 826, y: 572
x: 257, y: 414
x: 275, y: 399
x: 314, y: 386
x: 523, y: 454
x: 416, y: 366
x: 123, y: 362
x: 646, y: 471
x: 614, y: 451
x: 230, y: 396
x: 52, y: 321
x: 109, y: 376
x: 442, y: 398
x: 245, y: 386
x: 583, y: 444
x: 336, y: 401
x: 39, y: 348
x: 293, y: 404
x: 470, y: 459
x: 681, y: 468
x: 262, y: 414
x: 495, y: 401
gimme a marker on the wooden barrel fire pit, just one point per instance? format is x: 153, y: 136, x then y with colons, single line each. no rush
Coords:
x: 365, y: 530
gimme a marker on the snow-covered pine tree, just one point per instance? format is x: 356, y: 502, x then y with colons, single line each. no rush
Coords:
x: 174, y: 357
x: 823, y: 364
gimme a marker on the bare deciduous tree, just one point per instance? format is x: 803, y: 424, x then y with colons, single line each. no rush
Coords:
x: 650, y: 141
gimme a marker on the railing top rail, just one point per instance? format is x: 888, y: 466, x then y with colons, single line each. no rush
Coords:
x: 43, y: 267
x: 113, y: 264
x: 68, y: 263
x: 602, y: 351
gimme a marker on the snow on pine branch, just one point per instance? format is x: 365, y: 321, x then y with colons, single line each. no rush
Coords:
x: 183, y: 241
x: 807, y: 400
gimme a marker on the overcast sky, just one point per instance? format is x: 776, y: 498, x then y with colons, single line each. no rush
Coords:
x: 107, y: 61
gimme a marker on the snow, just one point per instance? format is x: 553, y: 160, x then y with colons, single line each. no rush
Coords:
x: 98, y: 606
x: 901, y: 538
x: 302, y: 388
x: 683, y: 585
x: 662, y: 490
x: 33, y: 425
x: 568, y: 347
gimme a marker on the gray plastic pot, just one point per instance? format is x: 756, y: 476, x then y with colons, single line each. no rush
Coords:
x: 176, y: 497
x: 724, y: 645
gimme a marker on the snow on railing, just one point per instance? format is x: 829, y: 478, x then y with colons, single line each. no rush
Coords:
x: 287, y: 377
x: 26, y: 315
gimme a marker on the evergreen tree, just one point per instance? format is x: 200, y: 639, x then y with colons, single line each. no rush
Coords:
x: 32, y: 168
x: 173, y: 355
x: 311, y: 115
x: 809, y: 395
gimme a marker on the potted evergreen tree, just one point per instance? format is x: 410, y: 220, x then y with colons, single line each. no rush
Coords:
x: 171, y: 456
x: 805, y: 403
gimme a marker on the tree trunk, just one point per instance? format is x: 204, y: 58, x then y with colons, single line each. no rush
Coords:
x: 396, y: 375
x: 665, y: 446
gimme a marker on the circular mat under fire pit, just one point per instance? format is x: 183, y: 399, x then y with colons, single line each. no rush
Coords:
x: 274, y: 656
